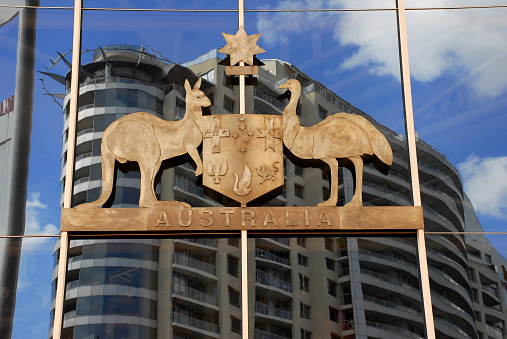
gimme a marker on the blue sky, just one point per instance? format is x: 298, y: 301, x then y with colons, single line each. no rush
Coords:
x: 459, y: 79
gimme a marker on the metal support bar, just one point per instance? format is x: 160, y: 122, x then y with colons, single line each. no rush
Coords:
x: 69, y: 169
x: 414, y: 173
x: 244, y: 283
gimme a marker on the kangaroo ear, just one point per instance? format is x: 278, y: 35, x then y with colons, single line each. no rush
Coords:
x: 187, y: 86
x: 198, y: 84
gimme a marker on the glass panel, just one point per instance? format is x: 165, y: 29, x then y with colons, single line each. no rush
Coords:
x: 468, y: 284
x: 459, y: 104
x: 452, y: 3
x: 299, y: 5
x: 53, y: 32
x: 173, y: 4
x: 153, y: 288
x: 372, y: 287
x: 38, y: 3
x: 354, y: 70
x: 26, y: 269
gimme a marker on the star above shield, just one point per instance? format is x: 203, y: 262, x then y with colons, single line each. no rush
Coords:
x: 241, y: 47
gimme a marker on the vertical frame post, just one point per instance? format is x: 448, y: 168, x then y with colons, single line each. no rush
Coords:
x: 414, y: 173
x: 244, y: 234
x: 69, y: 169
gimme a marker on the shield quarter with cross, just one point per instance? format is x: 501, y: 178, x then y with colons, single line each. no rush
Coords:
x: 242, y: 154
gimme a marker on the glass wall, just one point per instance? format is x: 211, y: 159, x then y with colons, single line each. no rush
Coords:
x: 136, y: 56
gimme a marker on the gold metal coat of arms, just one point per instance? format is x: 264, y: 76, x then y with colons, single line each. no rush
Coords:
x: 242, y: 155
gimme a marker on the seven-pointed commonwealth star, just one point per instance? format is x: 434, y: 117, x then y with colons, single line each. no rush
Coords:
x: 241, y: 47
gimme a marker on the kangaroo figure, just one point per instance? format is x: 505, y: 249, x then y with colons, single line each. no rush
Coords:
x: 148, y: 140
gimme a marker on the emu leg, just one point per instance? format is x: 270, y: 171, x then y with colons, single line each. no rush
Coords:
x: 357, y: 199
x: 333, y: 197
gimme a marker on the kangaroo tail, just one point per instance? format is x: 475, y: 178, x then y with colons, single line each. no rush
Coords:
x: 108, y: 161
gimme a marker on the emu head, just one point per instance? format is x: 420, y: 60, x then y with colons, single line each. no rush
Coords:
x: 292, y: 85
x: 194, y: 96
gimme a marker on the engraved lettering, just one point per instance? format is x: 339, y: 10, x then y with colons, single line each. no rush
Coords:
x: 247, y: 216
x: 270, y: 218
x: 288, y: 222
x: 162, y: 220
x: 206, y: 218
x: 324, y: 219
x: 227, y: 219
x: 189, y: 218
x: 307, y: 220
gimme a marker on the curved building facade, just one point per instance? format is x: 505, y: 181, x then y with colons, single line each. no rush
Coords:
x: 300, y: 287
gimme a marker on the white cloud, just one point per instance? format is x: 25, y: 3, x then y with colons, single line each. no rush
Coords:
x: 485, y: 182
x: 470, y: 44
x: 35, y: 224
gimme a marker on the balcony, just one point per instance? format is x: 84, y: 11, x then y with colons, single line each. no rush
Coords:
x: 258, y: 334
x: 184, y: 319
x: 394, y: 329
x: 272, y: 311
x: 269, y: 280
x: 192, y: 293
x: 494, y: 332
x: 262, y: 254
x: 185, y: 260
x: 201, y: 241
x: 392, y: 305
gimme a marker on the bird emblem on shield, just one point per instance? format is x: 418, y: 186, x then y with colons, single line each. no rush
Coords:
x: 242, y: 155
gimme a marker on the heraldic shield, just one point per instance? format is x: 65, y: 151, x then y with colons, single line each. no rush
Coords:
x: 242, y: 154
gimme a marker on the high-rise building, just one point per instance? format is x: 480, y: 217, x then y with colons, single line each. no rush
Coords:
x: 301, y: 287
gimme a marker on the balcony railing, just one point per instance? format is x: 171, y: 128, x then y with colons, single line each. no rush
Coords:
x: 490, y: 290
x: 386, y: 257
x: 394, y: 329
x: 201, y: 241
x: 386, y: 278
x: 267, y: 279
x: 284, y: 241
x: 258, y: 334
x: 494, y: 332
x: 272, y: 311
x: 390, y: 304
x: 83, y: 132
x: 192, y: 293
x: 273, y: 101
x: 260, y: 253
x: 185, y: 260
x: 193, y: 322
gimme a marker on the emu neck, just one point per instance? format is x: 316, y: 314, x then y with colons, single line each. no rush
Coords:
x: 290, y: 120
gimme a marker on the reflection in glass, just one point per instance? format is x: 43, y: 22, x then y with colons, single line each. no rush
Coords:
x: 335, y: 287
x: 167, y: 4
x: 149, y: 288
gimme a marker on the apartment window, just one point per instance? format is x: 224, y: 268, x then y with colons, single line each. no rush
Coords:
x: 487, y: 257
x: 472, y: 274
x: 322, y: 112
x: 306, y: 334
x: 233, y: 297
x: 478, y: 316
x: 302, y: 260
x: 298, y: 170
x: 234, y: 242
x: 331, y: 288
x: 228, y: 104
x: 304, y: 283
x: 232, y: 266
x: 301, y: 242
x: 329, y: 244
x: 304, y: 310
x: 475, y: 295
x: 235, y: 325
x: 333, y: 314
x: 330, y: 264
x: 299, y: 191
